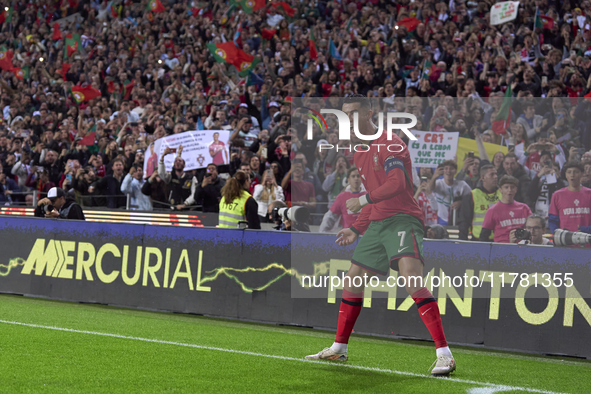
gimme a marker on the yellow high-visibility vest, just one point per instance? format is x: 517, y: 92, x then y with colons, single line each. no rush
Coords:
x: 482, y: 201
x: 233, y: 212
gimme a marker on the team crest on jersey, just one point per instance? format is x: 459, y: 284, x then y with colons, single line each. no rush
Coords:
x: 511, y: 214
x: 576, y: 202
x: 376, y: 165
x: 200, y: 159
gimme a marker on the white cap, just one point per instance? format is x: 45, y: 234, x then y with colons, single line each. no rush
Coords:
x: 243, y: 105
x: 274, y: 104
x: 55, y: 192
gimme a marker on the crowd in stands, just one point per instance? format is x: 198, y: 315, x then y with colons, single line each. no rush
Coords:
x: 150, y: 61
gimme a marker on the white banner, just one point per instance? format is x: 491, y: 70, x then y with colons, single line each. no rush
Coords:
x: 200, y: 148
x: 503, y: 12
x: 432, y: 148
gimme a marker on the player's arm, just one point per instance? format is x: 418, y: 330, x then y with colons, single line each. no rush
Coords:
x: 362, y: 222
x: 394, y: 185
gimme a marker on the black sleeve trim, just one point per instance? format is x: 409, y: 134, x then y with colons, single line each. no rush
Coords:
x: 425, y: 302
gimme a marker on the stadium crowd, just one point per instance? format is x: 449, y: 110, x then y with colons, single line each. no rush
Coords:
x: 152, y: 73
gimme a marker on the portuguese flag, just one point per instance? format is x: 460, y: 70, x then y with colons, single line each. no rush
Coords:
x: 72, y: 44
x: 410, y: 23
x: 229, y: 53
x: 312, y: 43
x: 65, y: 69
x: 6, y: 60
x: 503, y: 118
x: 249, y: 6
x: 21, y: 72
x: 268, y: 33
x: 87, y: 93
x: 543, y: 21
x: 289, y: 11
x: 127, y: 88
x: 6, y: 15
x: 155, y: 6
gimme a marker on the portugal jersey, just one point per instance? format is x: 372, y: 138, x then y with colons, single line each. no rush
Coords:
x: 386, y: 175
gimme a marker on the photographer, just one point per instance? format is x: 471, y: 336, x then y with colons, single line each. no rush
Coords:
x: 280, y: 215
x: 57, y: 206
x: 531, y: 233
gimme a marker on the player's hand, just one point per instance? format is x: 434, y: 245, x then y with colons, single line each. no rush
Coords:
x: 354, y: 205
x: 346, y: 237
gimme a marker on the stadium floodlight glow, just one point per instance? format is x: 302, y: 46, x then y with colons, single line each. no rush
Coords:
x: 396, y: 27
x: 159, y: 61
x: 5, y: 8
x: 41, y: 59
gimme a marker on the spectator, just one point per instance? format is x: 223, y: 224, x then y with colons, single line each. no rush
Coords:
x: 448, y: 191
x: 474, y: 209
x: 81, y: 183
x: 179, y: 181
x: 339, y: 209
x: 333, y: 183
x: 296, y: 190
x: 237, y: 204
x: 53, y: 166
x: 543, y: 186
x: 110, y: 186
x: 536, y: 225
x: 39, y: 180
x: 570, y: 207
x: 506, y: 215
x: 425, y: 198
x: 265, y: 193
x: 7, y: 187
x: 132, y: 184
x: 208, y: 192
x: 155, y: 188
x: 531, y: 122
x: 470, y: 172
x: 516, y: 170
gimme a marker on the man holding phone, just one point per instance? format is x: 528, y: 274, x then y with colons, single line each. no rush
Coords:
x: 209, y: 191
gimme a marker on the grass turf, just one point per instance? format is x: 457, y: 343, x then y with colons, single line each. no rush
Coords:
x: 37, y: 359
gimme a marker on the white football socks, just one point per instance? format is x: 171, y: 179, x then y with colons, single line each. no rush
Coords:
x: 339, y: 348
x: 443, y: 351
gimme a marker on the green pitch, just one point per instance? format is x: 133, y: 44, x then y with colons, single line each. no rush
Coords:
x: 49, y: 346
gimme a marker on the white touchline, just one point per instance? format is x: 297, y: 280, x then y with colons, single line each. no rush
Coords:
x: 219, y: 349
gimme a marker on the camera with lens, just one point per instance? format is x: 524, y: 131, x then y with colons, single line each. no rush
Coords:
x: 522, y: 234
x: 297, y: 215
x: 567, y: 238
x: 49, y: 208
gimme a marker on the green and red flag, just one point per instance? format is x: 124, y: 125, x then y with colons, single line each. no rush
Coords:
x: 543, y: 21
x: 312, y: 44
x: 228, y: 53
x: 39, y: 18
x: 90, y: 138
x: 72, y: 44
x: 6, y: 15
x: 57, y: 34
x: 503, y: 118
x: 87, y: 93
x: 155, y: 6
x: 428, y: 68
x: 114, y: 12
x: 127, y: 88
x: 21, y: 72
x: 228, y: 13
x: 250, y: 6
x: 289, y: 11
x: 6, y: 60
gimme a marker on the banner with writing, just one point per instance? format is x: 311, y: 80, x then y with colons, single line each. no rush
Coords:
x: 200, y: 148
x: 432, y: 148
x: 503, y: 12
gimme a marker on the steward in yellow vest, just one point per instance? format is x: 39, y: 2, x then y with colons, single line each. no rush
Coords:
x: 237, y: 204
x: 473, y: 209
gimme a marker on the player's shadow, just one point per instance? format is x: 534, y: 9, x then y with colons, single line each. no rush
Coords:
x: 330, y: 378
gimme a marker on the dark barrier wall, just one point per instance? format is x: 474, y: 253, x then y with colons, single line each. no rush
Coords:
x: 257, y: 275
